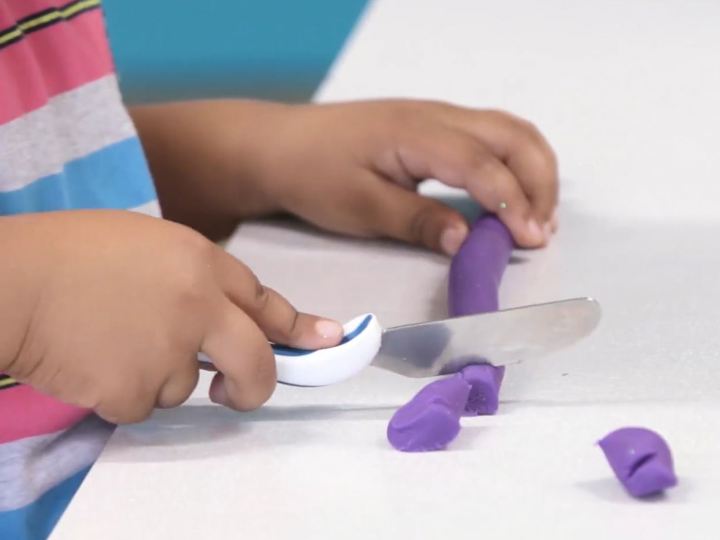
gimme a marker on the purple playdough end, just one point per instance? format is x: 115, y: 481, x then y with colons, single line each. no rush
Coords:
x: 641, y: 460
x: 484, y: 381
x: 431, y: 419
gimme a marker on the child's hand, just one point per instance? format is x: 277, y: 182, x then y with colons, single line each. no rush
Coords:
x: 108, y: 310
x: 353, y: 168
x: 350, y: 168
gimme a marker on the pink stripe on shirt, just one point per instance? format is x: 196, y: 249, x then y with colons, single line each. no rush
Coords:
x: 27, y: 412
x: 71, y: 54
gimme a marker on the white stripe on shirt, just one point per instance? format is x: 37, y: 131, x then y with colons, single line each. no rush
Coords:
x: 151, y: 208
x: 70, y: 126
x: 30, y: 467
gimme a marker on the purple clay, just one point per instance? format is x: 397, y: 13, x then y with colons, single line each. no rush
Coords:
x: 484, y: 381
x: 431, y: 419
x: 478, y: 267
x: 641, y: 460
x: 475, y: 275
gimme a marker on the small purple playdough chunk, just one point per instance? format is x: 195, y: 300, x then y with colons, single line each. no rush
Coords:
x: 431, y: 419
x: 484, y: 381
x: 641, y: 460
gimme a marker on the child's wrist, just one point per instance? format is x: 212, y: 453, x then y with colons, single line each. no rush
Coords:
x: 17, y: 294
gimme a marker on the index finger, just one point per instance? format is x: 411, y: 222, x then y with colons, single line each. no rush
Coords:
x: 243, y: 357
x: 525, y: 151
x: 272, y: 313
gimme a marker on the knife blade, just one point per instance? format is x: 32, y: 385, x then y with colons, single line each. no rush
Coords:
x: 498, y: 338
x: 439, y: 347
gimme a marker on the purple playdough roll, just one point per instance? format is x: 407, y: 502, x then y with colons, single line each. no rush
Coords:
x: 431, y: 419
x: 640, y: 459
x: 475, y: 275
x: 476, y: 270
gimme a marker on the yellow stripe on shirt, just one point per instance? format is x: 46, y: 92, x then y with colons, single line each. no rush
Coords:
x: 7, y: 382
x: 72, y: 9
x: 31, y: 23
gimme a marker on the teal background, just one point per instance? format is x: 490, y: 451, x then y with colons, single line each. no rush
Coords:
x: 277, y: 49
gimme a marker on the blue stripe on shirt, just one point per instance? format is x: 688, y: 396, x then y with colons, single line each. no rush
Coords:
x: 115, y: 177
x: 36, y: 520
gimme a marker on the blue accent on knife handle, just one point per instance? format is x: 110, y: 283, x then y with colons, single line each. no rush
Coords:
x: 301, y: 367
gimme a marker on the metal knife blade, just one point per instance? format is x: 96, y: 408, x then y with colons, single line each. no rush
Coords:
x: 499, y: 338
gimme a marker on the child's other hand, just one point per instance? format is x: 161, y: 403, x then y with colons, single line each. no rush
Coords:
x: 108, y: 310
x: 353, y: 168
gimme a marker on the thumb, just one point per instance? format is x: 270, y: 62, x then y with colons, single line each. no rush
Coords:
x: 410, y: 217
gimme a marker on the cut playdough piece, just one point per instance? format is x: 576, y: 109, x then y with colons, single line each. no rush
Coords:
x: 431, y: 419
x: 484, y: 381
x: 640, y: 459
x: 475, y: 275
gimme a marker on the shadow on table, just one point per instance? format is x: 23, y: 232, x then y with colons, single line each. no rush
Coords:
x: 511, y: 405
x: 610, y: 490
x: 204, y: 431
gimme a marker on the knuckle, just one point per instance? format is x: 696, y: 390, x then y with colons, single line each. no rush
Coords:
x: 366, y: 215
x: 467, y: 157
x: 178, y: 389
x: 414, y: 111
x: 530, y: 129
x: 123, y: 408
x: 265, y: 379
x: 255, y: 395
x: 258, y: 397
x: 407, y: 112
x: 196, y: 246
x: 190, y: 279
x: 500, y: 116
x: 435, y: 105
x: 522, y: 126
x: 136, y: 415
x: 260, y: 294
x: 531, y: 140
x: 543, y: 161
x: 252, y: 386
x: 291, y: 329
x: 488, y: 168
x: 266, y: 371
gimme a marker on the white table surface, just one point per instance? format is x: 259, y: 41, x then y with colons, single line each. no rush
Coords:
x: 627, y: 92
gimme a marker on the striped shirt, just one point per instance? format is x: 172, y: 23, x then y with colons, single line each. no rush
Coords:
x: 66, y: 142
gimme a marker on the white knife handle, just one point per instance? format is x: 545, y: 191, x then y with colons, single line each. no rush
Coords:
x: 299, y: 367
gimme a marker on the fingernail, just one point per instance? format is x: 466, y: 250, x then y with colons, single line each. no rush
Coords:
x: 536, y: 233
x: 328, y: 329
x: 451, y: 239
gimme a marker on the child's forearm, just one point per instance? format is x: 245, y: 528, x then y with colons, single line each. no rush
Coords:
x: 203, y: 157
